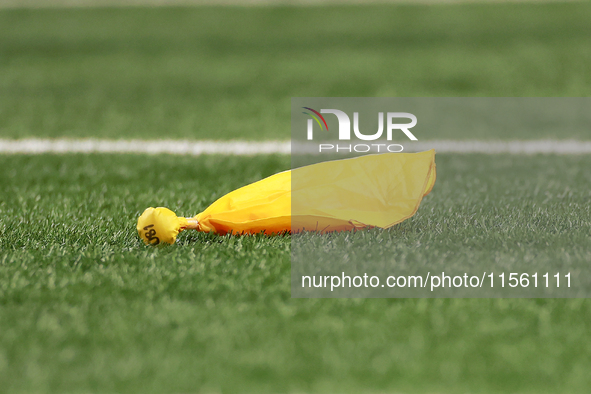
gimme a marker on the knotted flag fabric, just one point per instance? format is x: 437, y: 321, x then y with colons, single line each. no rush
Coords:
x: 378, y: 190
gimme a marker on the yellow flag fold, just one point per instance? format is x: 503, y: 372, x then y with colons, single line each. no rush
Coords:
x: 369, y: 191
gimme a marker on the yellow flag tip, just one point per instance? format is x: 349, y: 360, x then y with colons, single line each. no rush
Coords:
x: 157, y: 226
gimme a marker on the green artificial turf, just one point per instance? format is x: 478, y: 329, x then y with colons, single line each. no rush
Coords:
x: 86, y: 307
x: 229, y: 72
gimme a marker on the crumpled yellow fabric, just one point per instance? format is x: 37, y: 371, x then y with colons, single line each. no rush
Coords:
x: 369, y: 191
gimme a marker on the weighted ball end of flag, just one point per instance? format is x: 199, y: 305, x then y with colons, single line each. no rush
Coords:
x: 160, y: 225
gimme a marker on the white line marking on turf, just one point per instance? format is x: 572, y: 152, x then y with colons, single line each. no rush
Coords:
x: 195, y: 148
x: 137, y: 146
x: 563, y: 147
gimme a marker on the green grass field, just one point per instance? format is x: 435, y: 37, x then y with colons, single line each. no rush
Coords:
x: 229, y: 72
x: 86, y: 307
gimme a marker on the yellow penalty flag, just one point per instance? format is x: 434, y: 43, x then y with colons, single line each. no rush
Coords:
x: 378, y: 190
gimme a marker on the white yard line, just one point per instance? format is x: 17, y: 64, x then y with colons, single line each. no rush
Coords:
x: 177, y: 147
x: 196, y: 148
x: 562, y: 147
